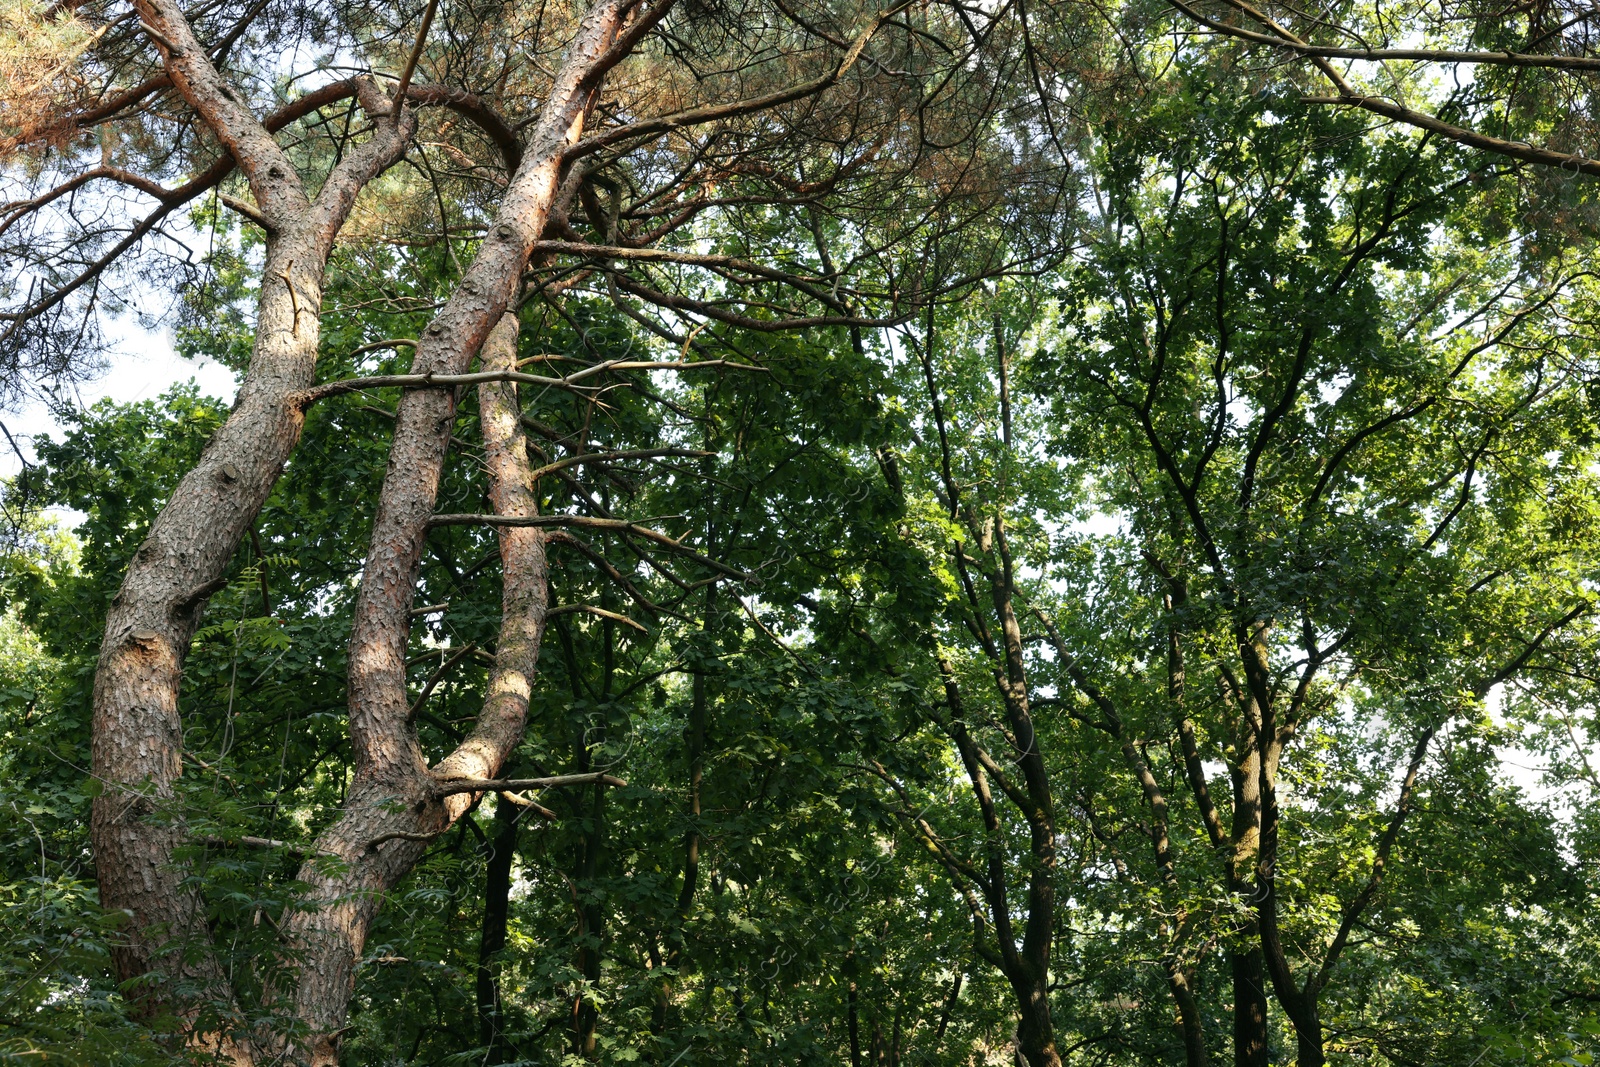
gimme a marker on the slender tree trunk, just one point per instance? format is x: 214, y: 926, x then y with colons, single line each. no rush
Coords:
x: 591, y: 933
x: 1250, y: 1028
x: 696, y: 737
x: 1024, y: 961
x: 1191, y: 1026
x: 1299, y: 1004
x: 1180, y: 979
x: 1036, y: 1030
x: 392, y: 810
x: 950, y: 1002
x: 496, y: 912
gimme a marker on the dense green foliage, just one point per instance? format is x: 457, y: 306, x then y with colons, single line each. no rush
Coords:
x: 1293, y: 461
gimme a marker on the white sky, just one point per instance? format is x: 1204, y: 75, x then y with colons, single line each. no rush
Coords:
x: 142, y: 365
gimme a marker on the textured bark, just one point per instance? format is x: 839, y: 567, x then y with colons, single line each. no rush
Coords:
x: 394, y: 807
x: 395, y: 803
x: 137, y: 737
x: 1273, y: 731
x: 1035, y: 1029
x: 525, y: 594
x: 1191, y: 1027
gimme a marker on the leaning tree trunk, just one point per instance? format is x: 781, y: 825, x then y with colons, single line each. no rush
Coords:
x: 137, y: 737
x: 396, y: 803
x: 137, y: 746
x: 394, y: 806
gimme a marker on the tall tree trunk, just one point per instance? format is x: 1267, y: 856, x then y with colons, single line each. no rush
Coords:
x: 1191, y: 1026
x: 1300, y: 1005
x: 137, y: 746
x: 1036, y: 1030
x: 591, y: 931
x: 395, y: 803
x: 1024, y: 961
x: 1250, y: 1028
x: 394, y: 808
x: 496, y: 913
x: 1036, y: 1036
x: 1250, y: 1045
x: 137, y: 743
x: 1308, y: 1037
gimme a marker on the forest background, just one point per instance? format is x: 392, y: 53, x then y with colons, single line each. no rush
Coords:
x: 802, y: 532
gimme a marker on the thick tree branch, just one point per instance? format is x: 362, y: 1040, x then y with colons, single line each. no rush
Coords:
x: 272, y: 178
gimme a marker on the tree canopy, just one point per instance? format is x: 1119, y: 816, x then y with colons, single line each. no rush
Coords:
x: 802, y: 533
